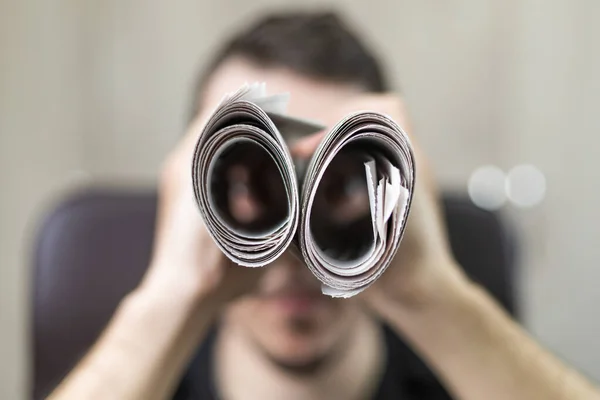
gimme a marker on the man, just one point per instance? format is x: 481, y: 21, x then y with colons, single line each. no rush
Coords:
x: 268, y: 333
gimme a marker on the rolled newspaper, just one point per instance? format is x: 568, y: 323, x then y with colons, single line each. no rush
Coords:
x: 348, y: 264
x: 240, y: 132
x: 356, y: 189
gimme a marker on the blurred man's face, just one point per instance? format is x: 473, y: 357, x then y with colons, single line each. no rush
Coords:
x: 287, y: 317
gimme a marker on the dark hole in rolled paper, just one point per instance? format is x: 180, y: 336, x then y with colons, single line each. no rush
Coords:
x: 248, y: 189
x: 340, y: 220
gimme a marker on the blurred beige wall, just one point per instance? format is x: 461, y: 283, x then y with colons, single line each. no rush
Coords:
x: 98, y: 90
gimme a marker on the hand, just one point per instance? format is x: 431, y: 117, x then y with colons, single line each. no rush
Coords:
x: 185, y: 258
x: 424, y: 263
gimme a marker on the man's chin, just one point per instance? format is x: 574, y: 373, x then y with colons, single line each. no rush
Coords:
x: 300, y: 349
x: 299, y: 362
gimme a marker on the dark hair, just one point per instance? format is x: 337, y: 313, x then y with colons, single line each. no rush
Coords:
x: 318, y: 45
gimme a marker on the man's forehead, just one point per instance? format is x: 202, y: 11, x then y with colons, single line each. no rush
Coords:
x: 311, y: 98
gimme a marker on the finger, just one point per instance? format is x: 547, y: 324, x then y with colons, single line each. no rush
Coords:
x: 193, y: 132
x: 186, y: 146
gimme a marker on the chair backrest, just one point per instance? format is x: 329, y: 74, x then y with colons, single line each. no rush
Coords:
x: 94, y: 248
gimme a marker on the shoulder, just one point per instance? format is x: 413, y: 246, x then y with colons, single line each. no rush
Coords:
x: 197, y: 382
x: 406, y: 376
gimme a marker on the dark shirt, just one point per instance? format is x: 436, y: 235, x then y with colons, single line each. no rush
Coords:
x: 405, y: 377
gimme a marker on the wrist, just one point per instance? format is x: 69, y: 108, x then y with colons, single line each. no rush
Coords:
x: 444, y: 283
x: 189, y: 299
x: 191, y: 283
x: 429, y: 290
x: 440, y: 320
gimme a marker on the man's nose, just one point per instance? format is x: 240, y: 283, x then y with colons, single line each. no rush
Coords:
x: 292, y: 261
x: 288, y: 271
x: 242, y: 202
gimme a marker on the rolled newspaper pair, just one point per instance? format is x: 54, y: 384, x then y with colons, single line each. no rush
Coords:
x: 347, y: 220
